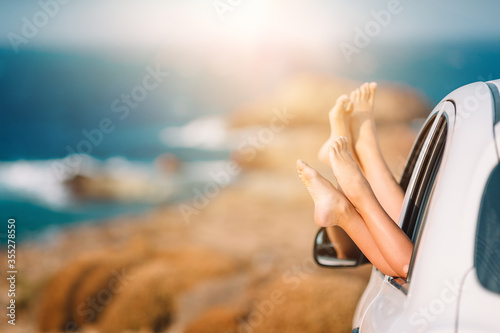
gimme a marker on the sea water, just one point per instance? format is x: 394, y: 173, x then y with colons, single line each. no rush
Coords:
x: 49, y: 100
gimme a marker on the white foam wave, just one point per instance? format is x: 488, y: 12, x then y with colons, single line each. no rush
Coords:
x: 36, y: 181
x: 204, y: 132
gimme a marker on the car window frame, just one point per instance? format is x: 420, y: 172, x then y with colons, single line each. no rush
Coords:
x: 415, y: 162
x: 415, y: 152
x: 414, y: 156
x: 418, y: 168
x: 436, y: 157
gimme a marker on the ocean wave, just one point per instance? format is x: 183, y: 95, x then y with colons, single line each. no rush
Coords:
x: 35, y: 180
x: 204, y: 132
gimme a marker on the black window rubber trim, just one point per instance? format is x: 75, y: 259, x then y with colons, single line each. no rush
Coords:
x: 415, y: 152
x: 496, y: 102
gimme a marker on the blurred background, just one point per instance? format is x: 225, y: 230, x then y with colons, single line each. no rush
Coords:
x: 160, y: 137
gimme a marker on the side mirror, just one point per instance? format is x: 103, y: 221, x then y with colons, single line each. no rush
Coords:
x: 326, y: 255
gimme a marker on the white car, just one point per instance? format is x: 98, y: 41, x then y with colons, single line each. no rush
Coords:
x: 451, y: 212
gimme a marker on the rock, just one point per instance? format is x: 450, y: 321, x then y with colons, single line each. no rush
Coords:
x: 102, y: 187
x: 136, y: 289
x: 146, y: 303
x: 310, y: 301
x: 218, y: 320
x: 308, y: 98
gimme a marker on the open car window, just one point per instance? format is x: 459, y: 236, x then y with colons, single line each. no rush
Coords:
x: 418, y: 180
x: 415, y: 153
x: 422, y: 185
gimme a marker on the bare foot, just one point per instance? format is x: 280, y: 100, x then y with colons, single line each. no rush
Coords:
x: 339, y: 117
x: 367, y: 148
x: 363, y: 122
x: 331, y: 207
x: 346, y: 170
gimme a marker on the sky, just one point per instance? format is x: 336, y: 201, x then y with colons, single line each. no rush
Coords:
x: 117, y: 25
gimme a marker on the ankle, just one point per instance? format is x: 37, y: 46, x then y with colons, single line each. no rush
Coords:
x: 345, y: 211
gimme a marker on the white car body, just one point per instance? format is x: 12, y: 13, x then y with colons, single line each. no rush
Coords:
x: 442, y: 292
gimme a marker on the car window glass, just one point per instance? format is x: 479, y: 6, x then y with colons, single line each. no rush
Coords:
x: 487, y: 248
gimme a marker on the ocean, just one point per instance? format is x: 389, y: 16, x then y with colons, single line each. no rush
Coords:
x: 55, y: 104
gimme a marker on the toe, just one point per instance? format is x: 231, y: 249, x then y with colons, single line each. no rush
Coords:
x: 373, y: 88
x: 364, y: 90
x: 352, y: 96
x: 339, y: 107
x: 304, y: 169
x: 345, y: 144
x: 299, y: 164
x: 339, y: 141
x: 337, y: 145
x: 342, y: 100
x: 357, y: 94
x: 349, y: 107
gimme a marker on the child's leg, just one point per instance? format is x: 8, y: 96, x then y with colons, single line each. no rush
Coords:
x: 390, y: 239
x: 369, y: 154
x: 339, y: 117
x: 333, y: 209
x: 342, y: 243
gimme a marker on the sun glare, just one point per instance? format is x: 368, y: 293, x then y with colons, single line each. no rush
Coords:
x: 250, y: 20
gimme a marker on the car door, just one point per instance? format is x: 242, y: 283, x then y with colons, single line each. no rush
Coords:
x: 424, y: 162
x: 480, y: 298
x: 377, y: 278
